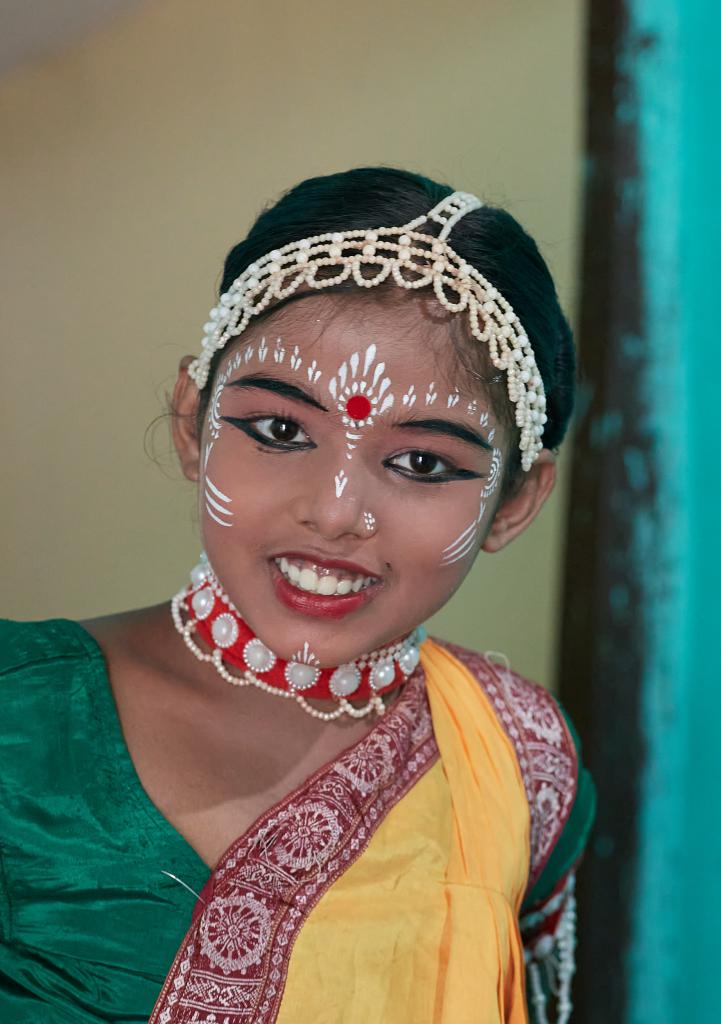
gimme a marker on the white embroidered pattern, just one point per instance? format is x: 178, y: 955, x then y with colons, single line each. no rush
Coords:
x: 545, y: 751
x: 234, y: 932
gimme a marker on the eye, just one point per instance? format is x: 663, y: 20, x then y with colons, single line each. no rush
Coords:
x: 280, y: 430
x: 421, y: 464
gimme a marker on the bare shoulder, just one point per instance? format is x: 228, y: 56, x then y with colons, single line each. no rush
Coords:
x: 545, y: 750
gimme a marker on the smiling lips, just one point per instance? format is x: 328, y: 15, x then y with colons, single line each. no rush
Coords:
x: 315, y: 579
x: 325, y: 591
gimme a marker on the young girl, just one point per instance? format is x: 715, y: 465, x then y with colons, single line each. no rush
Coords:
x: 275, y: 798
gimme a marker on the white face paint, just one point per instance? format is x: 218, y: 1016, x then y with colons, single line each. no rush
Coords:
x: 217, y: 503
x: 410, y: 397
x: 305, y: 655
x: 351, y: 382
x: 465, y: 543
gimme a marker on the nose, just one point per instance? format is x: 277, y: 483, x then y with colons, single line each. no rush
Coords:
x: 333, y: 506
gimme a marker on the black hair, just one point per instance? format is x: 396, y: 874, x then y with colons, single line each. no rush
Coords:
x: 489, y: 238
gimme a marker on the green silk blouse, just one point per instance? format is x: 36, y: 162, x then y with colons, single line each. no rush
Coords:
x: 89, y: 920
x: 89, y: 924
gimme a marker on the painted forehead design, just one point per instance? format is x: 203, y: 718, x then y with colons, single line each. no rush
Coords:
x: 359, y: 386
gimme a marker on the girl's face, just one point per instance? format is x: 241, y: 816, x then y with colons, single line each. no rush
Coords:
x: 345, y: 485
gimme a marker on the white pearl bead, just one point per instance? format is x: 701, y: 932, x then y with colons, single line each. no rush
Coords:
x: 408, y: 660
x: 345, y: 680
x: 300, y: 676
x: 225, y: 630
x: 544, y: 946
x: 198, y: 574
x: 382, y: 675
x: 257, y: 656
x: 203, y: 602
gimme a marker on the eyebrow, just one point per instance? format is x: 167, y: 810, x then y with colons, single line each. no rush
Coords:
x: 449, y: 428
x: 277, y: 387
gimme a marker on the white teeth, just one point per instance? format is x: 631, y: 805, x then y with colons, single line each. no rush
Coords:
x: 327, y: 585
x: 308, y: 580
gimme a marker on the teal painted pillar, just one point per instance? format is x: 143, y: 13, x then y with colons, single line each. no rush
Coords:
x: 640, y: 657
x: 673, y: 953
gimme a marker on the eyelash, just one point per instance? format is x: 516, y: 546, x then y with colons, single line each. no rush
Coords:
x: 247, y: 425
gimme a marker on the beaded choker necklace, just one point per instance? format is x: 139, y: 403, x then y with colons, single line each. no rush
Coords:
x: 204, y: 609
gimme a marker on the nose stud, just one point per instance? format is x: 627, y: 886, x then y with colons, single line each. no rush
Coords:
x: 369, y: 521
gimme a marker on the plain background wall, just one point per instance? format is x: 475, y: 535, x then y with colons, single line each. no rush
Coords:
x: 132, y: 162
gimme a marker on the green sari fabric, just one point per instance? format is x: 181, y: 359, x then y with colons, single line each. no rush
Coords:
x: 89, y: 924
x: 89, y: 921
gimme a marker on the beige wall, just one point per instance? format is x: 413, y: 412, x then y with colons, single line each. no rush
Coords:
x: 132, y: 162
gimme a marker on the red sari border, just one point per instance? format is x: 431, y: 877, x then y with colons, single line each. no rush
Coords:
x: 544, y: 748
x: 233, y: 962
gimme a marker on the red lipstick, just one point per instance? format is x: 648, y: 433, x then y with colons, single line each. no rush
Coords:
x: 318, y: 605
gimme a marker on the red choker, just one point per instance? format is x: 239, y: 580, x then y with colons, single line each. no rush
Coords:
x: 205, y: 610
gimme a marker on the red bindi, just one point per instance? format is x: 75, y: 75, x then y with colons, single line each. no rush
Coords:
x: 358, y: 407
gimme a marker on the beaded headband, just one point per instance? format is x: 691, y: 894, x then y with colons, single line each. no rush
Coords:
x: 414, y: 260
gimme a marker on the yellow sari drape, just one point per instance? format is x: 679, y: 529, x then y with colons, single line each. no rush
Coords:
x: 422, y: 928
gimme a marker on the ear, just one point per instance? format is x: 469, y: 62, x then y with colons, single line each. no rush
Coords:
x: 184, y: 412
x: 520, y: 509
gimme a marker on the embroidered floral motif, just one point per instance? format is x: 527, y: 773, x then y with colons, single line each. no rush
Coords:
x: 234, y: 933
x: 545, y: 750
x: 302, y: 837
x: 232, y: 965
x: 368, y: 767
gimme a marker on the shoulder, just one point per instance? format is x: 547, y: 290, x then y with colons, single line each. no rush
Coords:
x: 545, y: 747
x: 28, y: 648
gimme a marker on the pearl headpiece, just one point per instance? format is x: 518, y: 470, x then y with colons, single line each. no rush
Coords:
x: 414, y: 260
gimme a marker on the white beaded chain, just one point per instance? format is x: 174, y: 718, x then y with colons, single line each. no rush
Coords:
x: 559, y: 968
x: 413, y: 260
x: 248, y: 678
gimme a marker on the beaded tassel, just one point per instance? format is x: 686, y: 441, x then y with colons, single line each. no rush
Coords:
x: 558, y: 964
